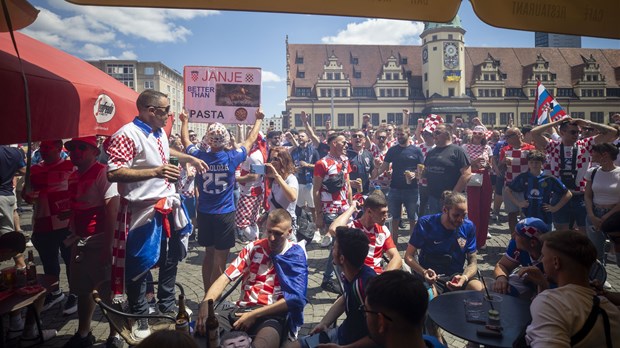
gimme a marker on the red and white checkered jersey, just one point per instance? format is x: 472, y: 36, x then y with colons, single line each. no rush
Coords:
x: 383, y: 179
x: 477, y: 151
x: 187, y: 182
x: 380, y: 241
x: 260, y: 285
x: 425, y: 149
x: 50, y: 186
x: 325, y: 168
x: 133, y: 147
x: 254, y: 188
x: 89, y: 191
x: 584, y: 152
x: 519, y: 160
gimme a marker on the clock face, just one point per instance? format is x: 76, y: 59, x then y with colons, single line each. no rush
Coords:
x: 450, y: 55
x: 450, y: 50
x: 424, y: 55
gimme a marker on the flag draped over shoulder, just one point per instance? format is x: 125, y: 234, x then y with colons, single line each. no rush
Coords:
x: 546, y: 108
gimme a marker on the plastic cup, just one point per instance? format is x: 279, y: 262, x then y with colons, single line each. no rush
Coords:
x: 407, y: 173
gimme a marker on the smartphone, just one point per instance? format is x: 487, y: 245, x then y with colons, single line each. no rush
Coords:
x: 257, y: 169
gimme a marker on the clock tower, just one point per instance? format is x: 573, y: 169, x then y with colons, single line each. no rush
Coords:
x: 443, y: 59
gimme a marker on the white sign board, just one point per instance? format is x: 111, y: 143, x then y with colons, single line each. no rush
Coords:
x: 222, y: 94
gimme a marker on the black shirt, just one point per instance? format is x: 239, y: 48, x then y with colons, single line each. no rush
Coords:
x: 11, y: 159
x: 308, y: 155
x: 362, y: 165
x: 402, y: 159
x: 443, y: 168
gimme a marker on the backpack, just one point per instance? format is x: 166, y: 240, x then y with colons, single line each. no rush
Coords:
x: 305, y: 226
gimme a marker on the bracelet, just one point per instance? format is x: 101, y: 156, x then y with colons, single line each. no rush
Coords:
x: 466, y: 278
x: 502, y: 275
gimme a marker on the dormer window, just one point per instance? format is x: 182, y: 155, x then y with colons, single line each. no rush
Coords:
x: 299, y: 60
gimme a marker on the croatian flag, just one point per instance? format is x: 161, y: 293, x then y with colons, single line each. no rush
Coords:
x: 546, y: 108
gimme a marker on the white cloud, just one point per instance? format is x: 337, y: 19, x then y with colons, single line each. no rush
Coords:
x: 129, y: 55
x: 268, y: 76
x: 378, y: 32
x: 81, y: 29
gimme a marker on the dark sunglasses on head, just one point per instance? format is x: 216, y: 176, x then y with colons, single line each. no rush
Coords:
x: 165, y: 108
x: 72, y: 147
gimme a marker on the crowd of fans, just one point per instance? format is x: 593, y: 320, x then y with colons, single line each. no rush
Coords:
x: 124, y: 206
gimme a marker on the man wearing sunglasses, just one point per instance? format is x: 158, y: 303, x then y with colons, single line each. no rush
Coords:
x: 378, y: 149
x: 139, y: 162
x: 569, y: 159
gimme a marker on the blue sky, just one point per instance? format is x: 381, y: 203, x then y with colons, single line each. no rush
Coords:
x: 246, y: 39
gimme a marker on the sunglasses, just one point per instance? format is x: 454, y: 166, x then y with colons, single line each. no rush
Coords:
x: 389, y: 130
x: 357, y: 136
x: 165, y: 108
x: 363, y: 309
x: 381, y: 138
x: 477, y: 133
x: 72, y: 147
x: 192, y: 135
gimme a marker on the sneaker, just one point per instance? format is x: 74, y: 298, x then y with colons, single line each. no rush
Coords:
x: 70, y: 305
x: 78, y: 341
x: 607, y: 286
x: 140, y: 329
x: 489, y: 236
x: 327, y: 241
x: 114, y: 342
x: 330, y: 286
x: 317, y: 237
x: 51, y: 299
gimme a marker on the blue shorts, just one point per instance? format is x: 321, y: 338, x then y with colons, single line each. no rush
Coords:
x: 575, y: 208
x: 408, y: 197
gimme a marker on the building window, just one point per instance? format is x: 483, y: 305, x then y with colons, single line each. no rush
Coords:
x: 488, y: 118
x: 450, y: 92
x: 337, y: 92
x: 403, y: 92
x: 303, y: 92
x: 354, y: 61
x: 330, y: 76
x: 388, y: 76
x: 425, y: 77
x: 298, y: 122
x: 532, y: 92
x: 485, y: 77
x: 301, y: 74
x: 319, y: 119
x: 526, y: 118
x: 435, y: 48
x: 403, y: 60
x: 597, y: 116
x: 382, y: 92
x: 149, y: 70
x: 363, y: 92
x: 613, y: 92
x: 395, y: 117
x: 374, y: 119
x: 434, y: 37
x: 449, y: 36
x: 389, y: 92
x: 149, y: 85
x: 299, y: 60
x: 345, y: 120
x: 504, y: 117
x: 581, y: 115
x: 336, y: 76
x: 493, y: 77
x: 357, y: 74
x: 565, y: 92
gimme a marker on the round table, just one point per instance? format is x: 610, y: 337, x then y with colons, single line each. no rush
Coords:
x: 448, y: 312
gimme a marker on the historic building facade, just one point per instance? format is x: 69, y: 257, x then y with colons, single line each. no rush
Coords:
x: 442, y: 76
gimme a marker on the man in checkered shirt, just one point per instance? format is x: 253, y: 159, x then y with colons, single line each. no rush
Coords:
x: 139, y: 162
x: 513, y: 160
x: 275, y: 281
x: 372, y: 224
x: 331, y: 204
x: 569, y: 159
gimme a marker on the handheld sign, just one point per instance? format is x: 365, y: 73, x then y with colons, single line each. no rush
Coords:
x: 221, y: 94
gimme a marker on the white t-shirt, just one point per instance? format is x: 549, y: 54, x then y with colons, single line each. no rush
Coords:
x: 278, y: 194
x: 606, y: 186
x: 253, y: 188
x: 558, y: 314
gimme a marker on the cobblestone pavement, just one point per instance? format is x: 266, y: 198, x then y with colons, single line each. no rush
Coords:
x: 189, y: 275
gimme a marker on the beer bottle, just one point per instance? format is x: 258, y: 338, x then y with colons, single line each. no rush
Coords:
x: 182, y: 319
x: 31, y: 275
x: 213, y: 328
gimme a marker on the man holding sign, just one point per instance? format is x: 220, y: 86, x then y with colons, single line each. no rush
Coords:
x: 216, y: 207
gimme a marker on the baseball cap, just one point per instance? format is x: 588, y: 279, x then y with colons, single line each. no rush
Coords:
x: 92, y: 141
x: 531, y: 228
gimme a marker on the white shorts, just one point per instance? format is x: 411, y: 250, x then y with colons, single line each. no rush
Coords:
x: 304, y: 195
